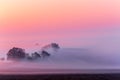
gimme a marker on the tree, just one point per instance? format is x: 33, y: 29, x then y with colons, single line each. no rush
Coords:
x: 35, y: 55
x: 16, y: 53
x: 54, y: 46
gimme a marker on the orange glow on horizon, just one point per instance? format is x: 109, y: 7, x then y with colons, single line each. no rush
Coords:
x: 51, y: 20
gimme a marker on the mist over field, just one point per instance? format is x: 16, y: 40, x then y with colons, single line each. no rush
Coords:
x: 66, y: 59
x: 88, y: 32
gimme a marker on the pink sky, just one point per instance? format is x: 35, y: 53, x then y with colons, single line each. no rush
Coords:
x: 71, y: 23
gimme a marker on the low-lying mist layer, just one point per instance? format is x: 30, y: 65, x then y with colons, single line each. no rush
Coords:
x: 69, y: 58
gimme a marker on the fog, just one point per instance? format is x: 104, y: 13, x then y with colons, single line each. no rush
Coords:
x: 67, y: 59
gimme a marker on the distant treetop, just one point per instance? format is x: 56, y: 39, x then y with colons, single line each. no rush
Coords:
x: 52, y: 45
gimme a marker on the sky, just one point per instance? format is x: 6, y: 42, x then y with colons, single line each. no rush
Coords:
x: 71, y: 23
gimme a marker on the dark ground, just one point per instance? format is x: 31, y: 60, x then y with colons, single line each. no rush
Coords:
x: 102, y: 74
x: 62, y: 77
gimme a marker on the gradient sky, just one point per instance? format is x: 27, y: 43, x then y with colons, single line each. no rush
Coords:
x: 71, y: 23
